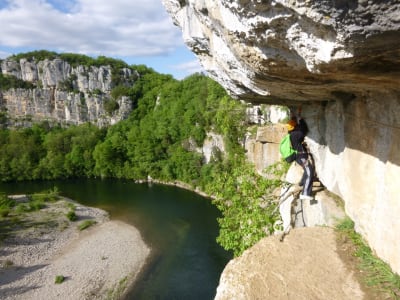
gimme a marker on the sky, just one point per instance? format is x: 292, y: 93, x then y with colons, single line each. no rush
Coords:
x: 136, y: 31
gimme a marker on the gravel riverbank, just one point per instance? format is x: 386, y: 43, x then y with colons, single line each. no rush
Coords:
x: 99, y: 262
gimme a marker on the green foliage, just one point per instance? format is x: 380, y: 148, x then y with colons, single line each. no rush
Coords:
x: 6, y: 204
x: 11, y: 82
x: 110, y: 106
x: 46, y: 196
x: 86, y: 224
x: 4, y: 212
x: 118, y: 290
x: 3, y: 118
x: 71, y: 215
x: 246, y: 202
x: 35, y: 55
x: 59, y: 279
x: 29, y: 206
x: 119, y: 91
x: 68, y: 84
x: 376, y: 272
x: 72, y: 58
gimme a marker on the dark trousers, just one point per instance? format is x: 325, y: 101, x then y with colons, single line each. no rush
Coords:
x: 308, y: 175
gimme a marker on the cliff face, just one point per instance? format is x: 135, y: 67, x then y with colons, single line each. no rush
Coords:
x: 340, y: 60
x: 62, y: 93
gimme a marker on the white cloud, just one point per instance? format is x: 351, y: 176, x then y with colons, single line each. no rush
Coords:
x: 101, y: 27
x: 190, y: 67
x: 4, y: 54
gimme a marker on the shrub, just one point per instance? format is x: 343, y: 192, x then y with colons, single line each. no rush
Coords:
x: 72, y: 216
x: 110, y: 106
x: 59, y: 279
x: 119, y: 91
x: 36, y: 205
x: 9, y: 81
x: 46, y: 196
x: 4, y: 212
x: 5, y: 202
x: 22, y: 207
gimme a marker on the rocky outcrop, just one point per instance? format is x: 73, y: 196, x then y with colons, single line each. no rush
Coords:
x: 62, y: 93
x: 263, y: 149
x: 306, y: 266
x: 341, y: 61
x: 284, y: 50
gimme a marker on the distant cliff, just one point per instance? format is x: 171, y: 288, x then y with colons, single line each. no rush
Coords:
x: 61, y: 92
x: 340, y: 61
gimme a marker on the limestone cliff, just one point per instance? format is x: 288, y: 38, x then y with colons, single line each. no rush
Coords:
x: 341, y: 61
x: 62, y: 93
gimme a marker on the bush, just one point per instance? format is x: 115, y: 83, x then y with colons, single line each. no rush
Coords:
x: 59, y: 279
x: 119, y: 91
x: 4, y: 212
x: 72, y: 216
x: 11, y: 82
x: 36, y: 205
x: 22, y: 207
x: 110, y: 106
x: 46, y: 196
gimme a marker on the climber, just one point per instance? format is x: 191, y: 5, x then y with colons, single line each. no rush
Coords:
x: 298, y: 129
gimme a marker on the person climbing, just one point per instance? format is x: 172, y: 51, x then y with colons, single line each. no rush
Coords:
x: 298, y: 129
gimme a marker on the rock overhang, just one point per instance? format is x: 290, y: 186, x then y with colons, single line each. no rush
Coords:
x: 286, y: 52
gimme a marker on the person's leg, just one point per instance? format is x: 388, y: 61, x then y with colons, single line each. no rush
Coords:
x: 285, y: 210
x: 307, y: 178
x: 308, y: 171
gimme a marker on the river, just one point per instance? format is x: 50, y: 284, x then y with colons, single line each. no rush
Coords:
x: 179, y: 225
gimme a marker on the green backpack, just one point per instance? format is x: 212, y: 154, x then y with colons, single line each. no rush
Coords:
x: 286, y: 150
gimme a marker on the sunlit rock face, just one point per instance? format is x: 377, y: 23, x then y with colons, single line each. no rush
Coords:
x: 341, y: 61
x: 62, y: 93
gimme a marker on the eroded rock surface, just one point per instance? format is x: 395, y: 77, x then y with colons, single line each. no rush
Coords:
x: 269, y: 51
x: 305, y: 266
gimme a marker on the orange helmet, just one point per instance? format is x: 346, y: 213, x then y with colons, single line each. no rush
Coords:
x: 291, y: 124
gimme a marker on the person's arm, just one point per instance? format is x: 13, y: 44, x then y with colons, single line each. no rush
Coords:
x: 303, y: 126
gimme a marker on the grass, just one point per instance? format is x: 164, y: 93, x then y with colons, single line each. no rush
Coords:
x: 118, y: 291
x: 71, y: 215
x: 377, y: 273
x: 86, y: 224
x: 35, y: 202
x: 13, y: 212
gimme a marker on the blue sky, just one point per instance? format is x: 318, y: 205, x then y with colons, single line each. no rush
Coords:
x: 136, y: 31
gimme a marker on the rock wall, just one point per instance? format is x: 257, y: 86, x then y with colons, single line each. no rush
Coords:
x: 340, y: 60
x: 62, y: 93
x: 263, y: 149
x: 356, y: 148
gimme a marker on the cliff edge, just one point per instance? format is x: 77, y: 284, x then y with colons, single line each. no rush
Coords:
x: 311, y: 263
